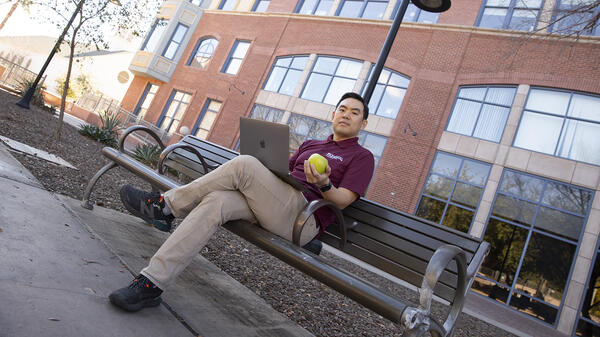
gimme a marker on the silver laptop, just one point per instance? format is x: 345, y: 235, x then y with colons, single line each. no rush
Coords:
x: 270, y: 144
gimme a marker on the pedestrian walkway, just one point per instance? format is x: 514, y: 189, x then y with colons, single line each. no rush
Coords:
x: 59, y: 262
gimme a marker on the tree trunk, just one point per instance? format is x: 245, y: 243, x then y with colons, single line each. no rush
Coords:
x: 66, y: 87
x: 10, y: 13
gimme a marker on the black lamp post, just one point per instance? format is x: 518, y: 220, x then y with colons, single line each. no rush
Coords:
x: 436, y: 6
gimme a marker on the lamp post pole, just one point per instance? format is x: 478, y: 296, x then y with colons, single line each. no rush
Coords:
x: 24, y: 102
x: 426, y: 5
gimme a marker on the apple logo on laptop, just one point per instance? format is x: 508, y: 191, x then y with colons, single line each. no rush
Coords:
x: 262, y: 143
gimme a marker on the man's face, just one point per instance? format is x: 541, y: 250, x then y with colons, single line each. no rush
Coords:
x: 348, y: 119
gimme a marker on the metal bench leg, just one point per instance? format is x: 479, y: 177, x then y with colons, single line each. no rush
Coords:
x: 85, y: 201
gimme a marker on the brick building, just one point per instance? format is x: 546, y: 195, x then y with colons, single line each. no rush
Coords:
x: 485, y: 119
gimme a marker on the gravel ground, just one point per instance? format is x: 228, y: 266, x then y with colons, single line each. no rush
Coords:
x: 312, y: 305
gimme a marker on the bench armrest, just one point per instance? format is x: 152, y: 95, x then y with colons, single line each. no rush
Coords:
x: 309, y: 210
x: 134, y: 128
x: 173, y: 147
x: 420, y: 319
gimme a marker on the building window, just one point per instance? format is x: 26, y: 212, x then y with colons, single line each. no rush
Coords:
x: 589, y: 314
x: 228, y: 5
x: 207, y: 118
x: 314, y: 7
x: 388, y: 94
x: 330, y: 78
x: 203, y: 51
x: 154, y: 36
x: 285, y: 74
x: 368, y: 9
x: 577, y: 17
x: 145, y: 101
x: 452, y: 191
x: 260, y: 6
x: 175, y: 41
x: 534, y: 229
x: 266, y: 113
x: 173, y: 111
x: 303, y: 128
x: 510, y: 14
x: 415, y: 14
x: 561, y: 123
x: 235, y: 58
x: 481, y: 112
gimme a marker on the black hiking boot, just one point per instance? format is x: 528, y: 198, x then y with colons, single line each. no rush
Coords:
x: 146, y: 205
x: 139, y: 294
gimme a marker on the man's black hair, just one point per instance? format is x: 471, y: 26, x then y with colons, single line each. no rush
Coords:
x: 357, y: 97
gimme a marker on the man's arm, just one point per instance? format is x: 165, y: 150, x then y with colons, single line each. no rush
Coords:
x: 342, y: 197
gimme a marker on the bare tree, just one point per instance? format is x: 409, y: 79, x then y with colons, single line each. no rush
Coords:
x: 581, y: 18
x: 24, y: 3
x: 95, y: 22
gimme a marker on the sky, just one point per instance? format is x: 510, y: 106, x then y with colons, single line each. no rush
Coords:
x: 22, y: 23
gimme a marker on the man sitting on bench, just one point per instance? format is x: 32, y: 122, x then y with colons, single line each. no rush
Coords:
x: 244, y: 189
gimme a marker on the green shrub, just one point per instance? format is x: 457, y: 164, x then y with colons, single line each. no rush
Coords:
x: 147, y: 154
x: 98, y: 134
x: 37, y: 99
x: 110, y: 122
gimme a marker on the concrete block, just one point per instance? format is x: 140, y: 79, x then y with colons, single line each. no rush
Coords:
x: 261, y: 98
x: 588, y: 243
x: 466, y: 146
x: 586, y: 175
x: 271, y: 99
x: 517, y: 158
x: 482, y: 211
x: 486, y: 151
x: 552, y: 167
x: 523, y: 89
x: 509, y: 135
x: 582, y: 267
x: 567, y: 320
x: 516, y: 111
x: 477, y: 229
x: 574, y: 294
x: 495, y: 173
x: 490, y: 191
x: 300, y: 106
x: 593, y: 223
x: 384, y: 126
x: 448, y: 142
x: 501, y: 154
x: 596, y: 203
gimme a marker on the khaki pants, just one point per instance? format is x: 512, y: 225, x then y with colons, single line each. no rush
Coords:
x: 240, y: 189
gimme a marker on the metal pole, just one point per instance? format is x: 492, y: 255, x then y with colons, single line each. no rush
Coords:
x: 24, y: 102
x: 387, y: 45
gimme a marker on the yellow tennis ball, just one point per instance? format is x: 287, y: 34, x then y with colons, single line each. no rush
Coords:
x: 319, y: 161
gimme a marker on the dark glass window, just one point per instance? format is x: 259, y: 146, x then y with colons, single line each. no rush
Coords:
x: 589, y: 314
x: 533, y: 229
x: 481, y: 112
x: 452, y: 191
x: 285, y: 74
x: 316, y: 7
x: 510, y: 14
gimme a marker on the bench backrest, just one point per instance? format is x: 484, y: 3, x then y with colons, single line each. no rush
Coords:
x: 399, y: 243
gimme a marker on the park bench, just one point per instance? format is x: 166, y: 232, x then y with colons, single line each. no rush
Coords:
x: 438, y: 260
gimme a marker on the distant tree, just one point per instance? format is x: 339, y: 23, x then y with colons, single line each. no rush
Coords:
x: 575, y: 18
x: 95, y: 21
x: 24, y: 3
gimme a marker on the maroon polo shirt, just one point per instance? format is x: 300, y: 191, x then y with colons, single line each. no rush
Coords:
x: 351, y: 167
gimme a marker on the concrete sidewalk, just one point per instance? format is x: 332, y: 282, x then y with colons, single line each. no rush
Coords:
x: 59, y: 262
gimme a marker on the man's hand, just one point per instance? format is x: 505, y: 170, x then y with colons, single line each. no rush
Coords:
x: 313, y: 176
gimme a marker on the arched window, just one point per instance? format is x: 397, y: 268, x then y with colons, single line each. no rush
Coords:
x: 203, y: 51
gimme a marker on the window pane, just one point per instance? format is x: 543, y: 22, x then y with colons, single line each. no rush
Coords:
x: 179, y: 33
x: 534, y: 307
x: 586, y: 107
x: 349, y: 68
x: 326, y: 65
x: 498, y: 3
x: 241, y: 49
x: 491, y: 289
x: 307, y: 6
x: 472, y: 93
x: 375, y: 144
x: 463, y: 117
x: 567, y: 197
x: 438, y: 186
x: 506, y: 246
x: 351, y: 9
x: 391, y: 102
x: 529, y: 135
x: 412, y: 13
x: 275, y: 79
x: 339, y: 86
x: 170, y: 51
x: 580, y: 141
x: 208, y: 120
x: 284, y: 61
x: 300, y: 125
x: 399, y: 81
x: 502, y: 96
x: 466, y: 195
x: 590, y: 308
x: 430, y: 209
x: 446, y: 164
x: 234, y: 66
x: 428, y: 17
x: 554, y: 102
x: 493, y: 18
x: 513, y: 209
x: 290, y: 82
x: 528, y: 3
x: 375, y: 98
x: 316, y: 86
x: 492, y: 120
x: 156, y: 35
x: 262, y: 6
x: 523, y: 19
x: 320, y: 130
x: 458, y: 218
x: 214, y: 106
x: 559, y: 223
x: 324, y: 7
x: 374, y: 10
x: 299, y: 62
x: 474, y: 172
x: 522, y: 185
x: 229, y: 5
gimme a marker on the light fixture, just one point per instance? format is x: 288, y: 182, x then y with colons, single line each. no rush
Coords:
x: 435, y: 6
